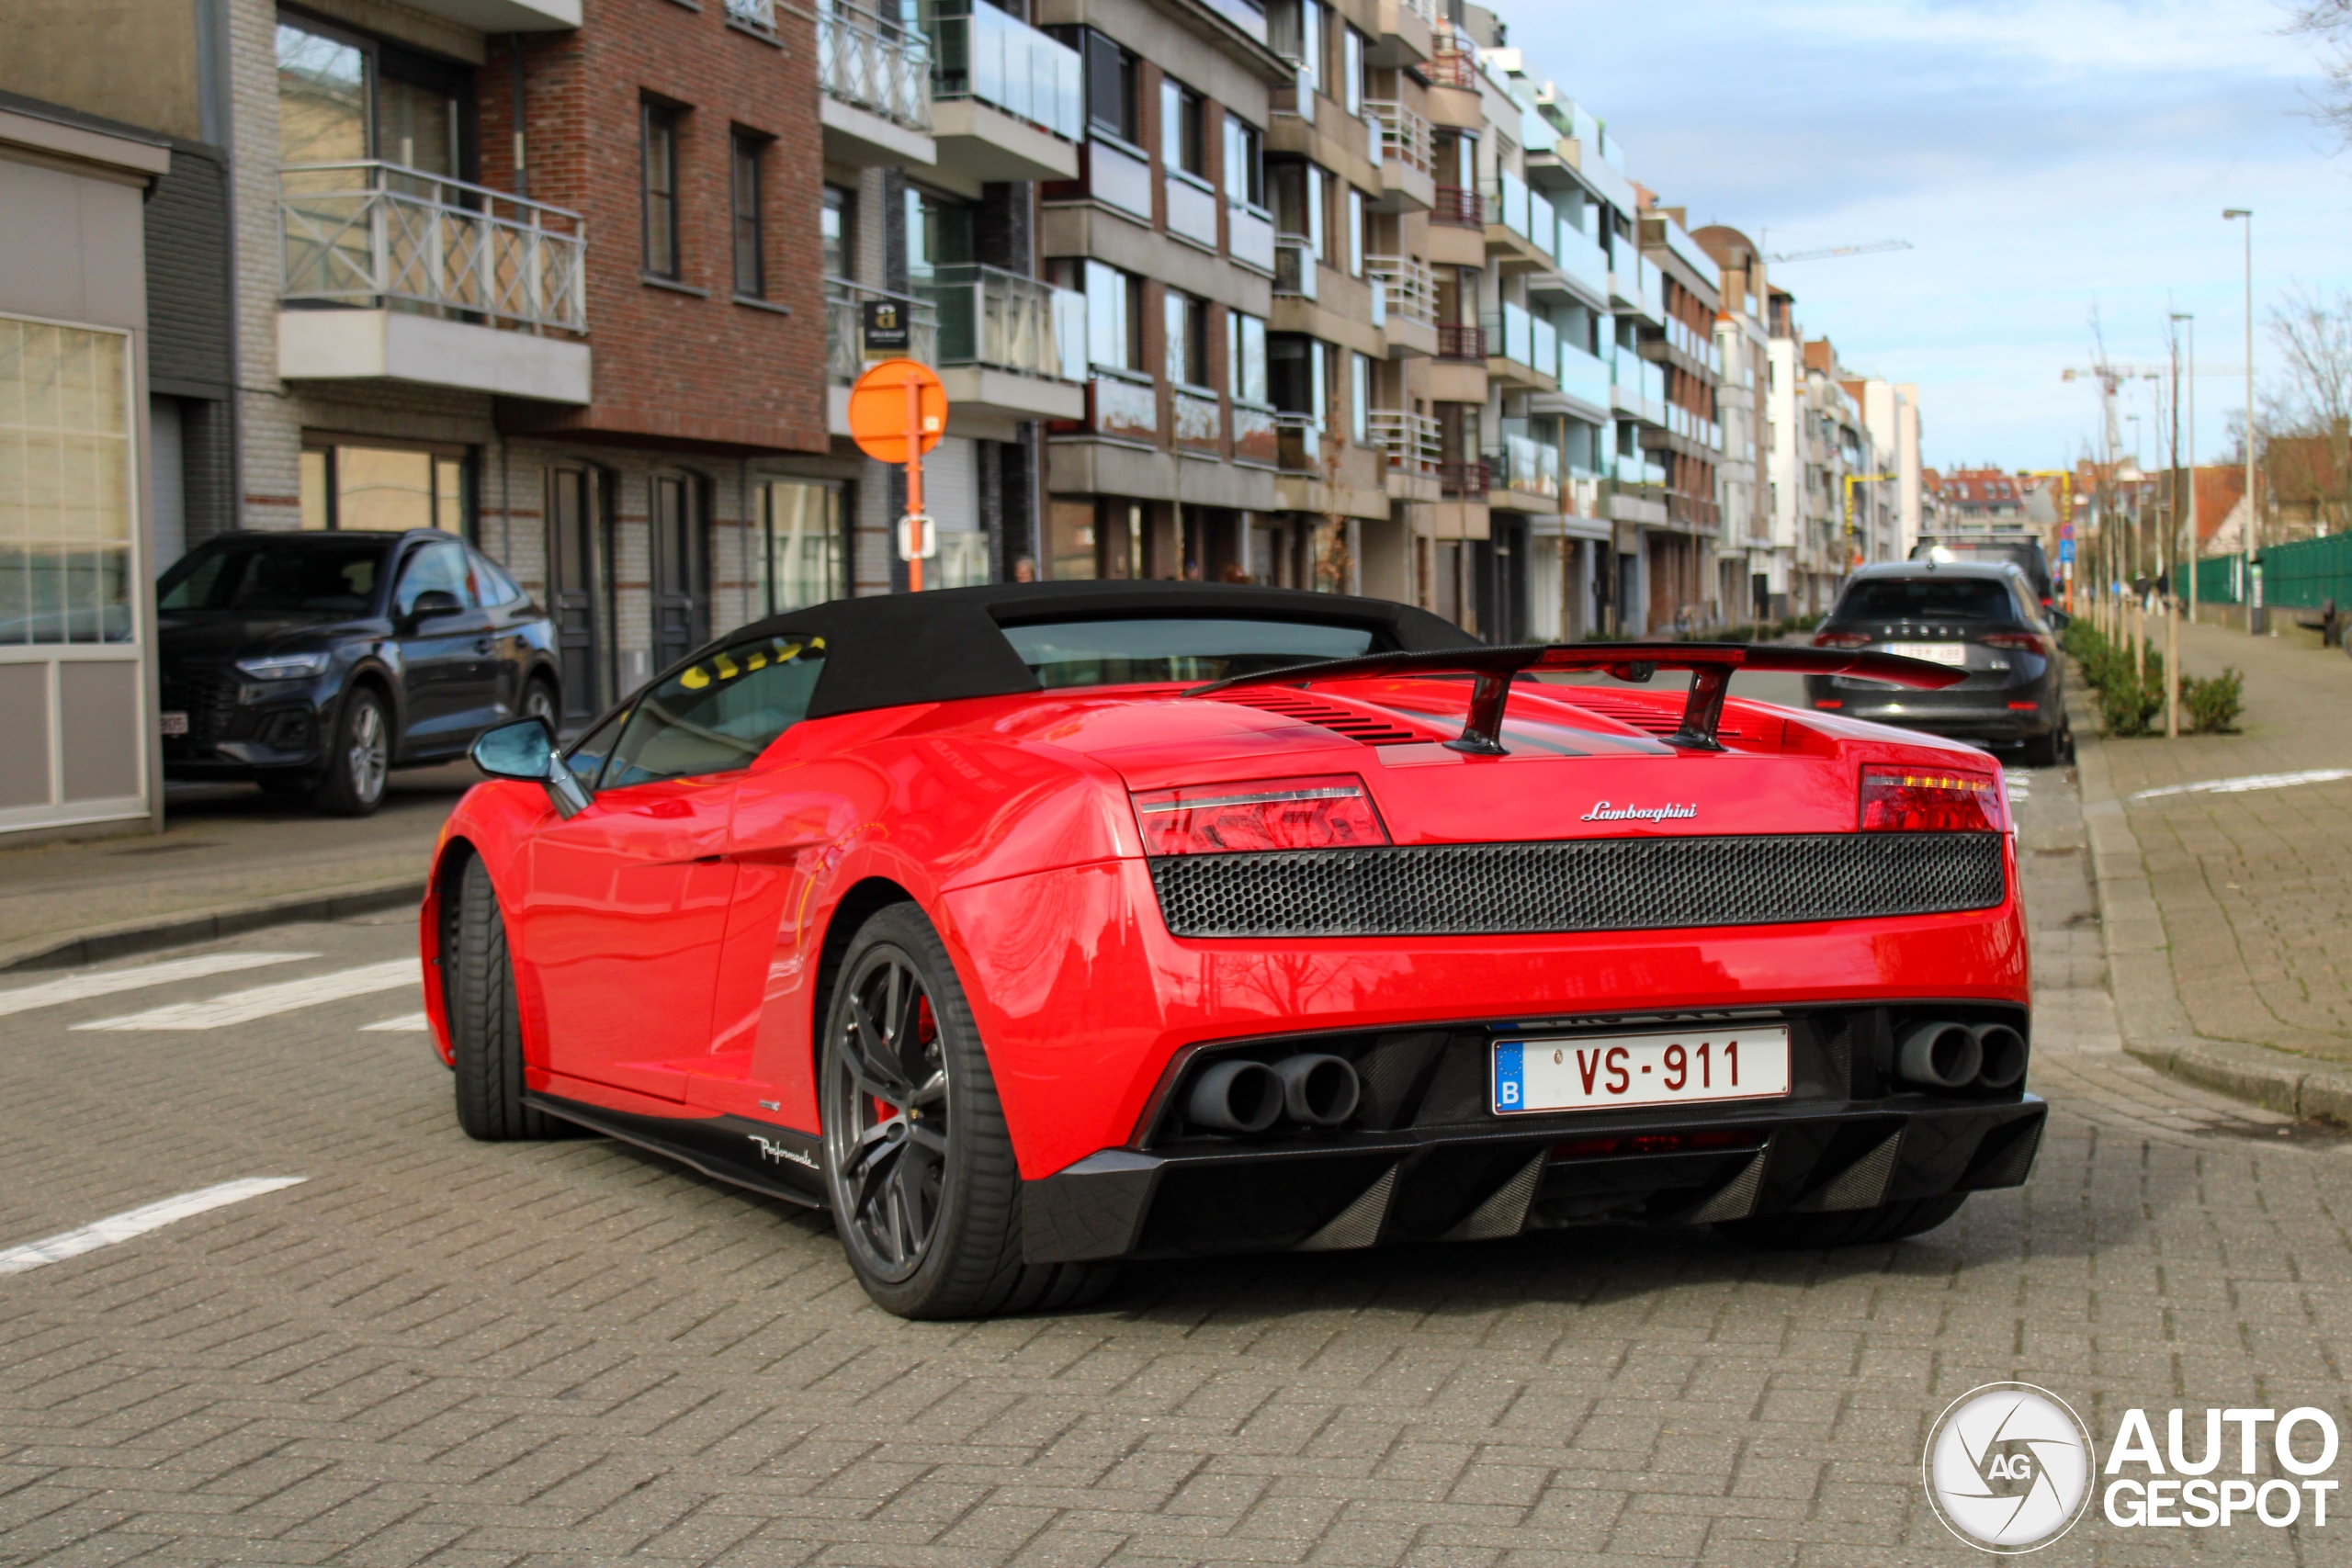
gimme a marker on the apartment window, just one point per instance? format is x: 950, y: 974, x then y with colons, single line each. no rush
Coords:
x: 1360, y: 399
x: 1182, y: 139
x: 939, y: 233
x: 1113, y: 317
x: 750, y: 151
x: 345, y: 95
x: 1111, y: 89
x: 658, y: 161
x: 383, y: 489
x: 1352, y: 71
x: 1188, y: 339
x: 1245, y: 357
x: 1245, y: 162
x: 1298, y: 372
x: 835, y: 223
x: 1359, y: 219
x: 1302, y: 192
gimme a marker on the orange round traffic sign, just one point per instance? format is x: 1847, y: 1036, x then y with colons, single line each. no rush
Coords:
x: 879, y: 411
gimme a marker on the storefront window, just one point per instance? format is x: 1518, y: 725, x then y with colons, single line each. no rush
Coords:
x: 383, y: 489
x: 65, y: 485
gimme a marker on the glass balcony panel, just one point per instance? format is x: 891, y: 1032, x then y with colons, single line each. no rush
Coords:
x: 1192, y: 211
x: 988, y: 55
x: 1581, y: 258
x: 1584, y: 375
x: 1255, y: 441
x: 1542, y: 224
x: 987, y: 316
x: 1200, y: 427
x: 1546, y: 343
x: 1117, y: 177
x: 1122, y: 409
x: 1249, y: 236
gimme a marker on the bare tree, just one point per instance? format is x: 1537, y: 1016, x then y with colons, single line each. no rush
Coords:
x: 2329, y: 22
x: 2306, y: 430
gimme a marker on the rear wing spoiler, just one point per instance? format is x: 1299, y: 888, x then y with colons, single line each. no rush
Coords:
x: 1710, y: 665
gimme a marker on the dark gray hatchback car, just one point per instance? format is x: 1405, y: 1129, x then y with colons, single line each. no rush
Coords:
x: 1981, y: 617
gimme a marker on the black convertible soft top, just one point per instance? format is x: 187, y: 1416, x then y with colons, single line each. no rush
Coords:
x: 938, y: 647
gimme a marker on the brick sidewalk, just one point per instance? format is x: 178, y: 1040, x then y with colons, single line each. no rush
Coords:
x: 2252, y: 888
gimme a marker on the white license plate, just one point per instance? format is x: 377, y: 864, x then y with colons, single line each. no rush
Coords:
x: 1954, y: 653
x: 1588, y: 1071
x: 174, y: 723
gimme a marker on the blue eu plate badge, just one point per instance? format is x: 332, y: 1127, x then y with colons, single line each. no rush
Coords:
x: 1510, y: 1080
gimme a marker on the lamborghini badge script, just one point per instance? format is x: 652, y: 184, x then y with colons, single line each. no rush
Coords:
x: 779, y: 1153
x: 1603, y: 812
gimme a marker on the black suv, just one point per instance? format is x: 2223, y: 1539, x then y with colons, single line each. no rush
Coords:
x: 313, y: 663
x: 2022, y: 550
x: 1979, y: 617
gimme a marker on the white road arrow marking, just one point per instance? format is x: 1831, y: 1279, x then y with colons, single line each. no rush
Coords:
x: 137, y: 1222
x: 85, y: 984
x: 266, y: 1001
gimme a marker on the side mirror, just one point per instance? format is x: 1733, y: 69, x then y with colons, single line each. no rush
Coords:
x: 433, y: 602
x: 526, y: 750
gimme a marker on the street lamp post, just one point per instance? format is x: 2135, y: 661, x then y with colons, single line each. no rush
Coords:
x: 2170, y: 554
x: 2247, y: 534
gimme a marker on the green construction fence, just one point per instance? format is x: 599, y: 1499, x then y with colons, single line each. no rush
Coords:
x: 2301, y: 576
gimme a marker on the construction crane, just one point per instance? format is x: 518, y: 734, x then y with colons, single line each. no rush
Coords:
x: 2111, y: 377
x: 1873, y: 248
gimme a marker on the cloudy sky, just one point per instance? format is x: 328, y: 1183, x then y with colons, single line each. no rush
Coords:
x: 2044, y: 156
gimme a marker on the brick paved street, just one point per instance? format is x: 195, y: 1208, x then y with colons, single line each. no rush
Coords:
x: 2255, y: 888
x: 433, y: 1351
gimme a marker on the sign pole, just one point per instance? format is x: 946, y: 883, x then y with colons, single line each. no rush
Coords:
x: 914, y: 483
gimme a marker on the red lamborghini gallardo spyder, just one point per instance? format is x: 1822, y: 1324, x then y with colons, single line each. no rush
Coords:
x: 1031, y: 928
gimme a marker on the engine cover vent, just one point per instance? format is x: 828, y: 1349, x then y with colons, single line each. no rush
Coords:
x: 1366, y: 728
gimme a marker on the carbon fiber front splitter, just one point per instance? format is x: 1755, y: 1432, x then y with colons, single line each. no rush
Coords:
x: 1480, y: 1182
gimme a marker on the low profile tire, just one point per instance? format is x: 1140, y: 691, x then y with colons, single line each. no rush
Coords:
x: 918, y: 1166
x: 1859, y: 1227
x: 360, y: 761
x: 485, y: 1026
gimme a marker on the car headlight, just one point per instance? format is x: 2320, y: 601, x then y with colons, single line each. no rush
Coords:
x: 284, y: 666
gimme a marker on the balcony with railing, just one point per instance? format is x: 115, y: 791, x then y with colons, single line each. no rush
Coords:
x: 1514, y: 352
x: 1008, y: 103
x: 1009, y: 346
x: 1123, y: 405
x: 1459, y: 339
x: 1110, y: 172
x: 1249, y: 235
x: 1524, y: 468
x: 1402, y: 139
x: 1409, y: 443
x: 1199, y: 421
x: 1457, y: 205
x: 874, y: 75
x: 845, y: 328
x: 1586, y: 378
x: 441, y: 281
x: 1581, y: 259
x: 1464, y: 481
x: 1298, y: 441
x: 1408, y: 292
x: 1453, y: 64
x: 754, y: 16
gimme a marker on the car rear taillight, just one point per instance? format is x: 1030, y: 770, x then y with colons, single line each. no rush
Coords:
x: 2021, y: 642
x: 1930, y: 800
x: 1840, y: 639
x: 1327, y: 812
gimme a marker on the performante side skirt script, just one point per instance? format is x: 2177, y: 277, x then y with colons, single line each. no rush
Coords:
x: 766, y: 1159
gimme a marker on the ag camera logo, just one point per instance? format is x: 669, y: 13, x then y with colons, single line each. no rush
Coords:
x: 2008, y: 1467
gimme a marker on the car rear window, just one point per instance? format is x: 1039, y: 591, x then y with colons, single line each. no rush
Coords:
x: 1175, y: 648
x: 1928, y: 599
x: 307, y: 579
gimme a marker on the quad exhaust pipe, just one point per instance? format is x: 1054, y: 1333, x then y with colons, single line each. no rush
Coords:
x: 1961, y: 1055
x: 1314, y: 1090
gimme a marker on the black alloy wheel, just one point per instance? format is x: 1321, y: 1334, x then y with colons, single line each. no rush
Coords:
x: 361, y: 758
x: 918, y: 1166
x: 890, y: 1119
x: 538, y: 702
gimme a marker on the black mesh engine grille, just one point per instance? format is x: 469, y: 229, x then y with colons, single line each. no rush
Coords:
x: 1579, y: 886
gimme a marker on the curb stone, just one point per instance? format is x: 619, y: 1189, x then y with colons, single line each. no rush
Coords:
x: 2155, y: 1026
x: 128, y: 937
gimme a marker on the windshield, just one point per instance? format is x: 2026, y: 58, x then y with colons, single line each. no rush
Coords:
x: 261, y: 576
x: 1118, y: 653
x: 1928, y: 599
